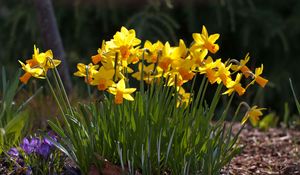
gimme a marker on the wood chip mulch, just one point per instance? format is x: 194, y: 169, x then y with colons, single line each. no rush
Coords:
x: 275, y: 151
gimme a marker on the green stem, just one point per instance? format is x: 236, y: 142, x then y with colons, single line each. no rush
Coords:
x: 64, y: 91
x: 58, y: 103
x: 87, y: 80
x: 61, y: 96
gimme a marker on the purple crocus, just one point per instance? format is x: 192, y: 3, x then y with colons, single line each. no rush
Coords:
x: 30, y: 146
x: 13, y: 152
x: 44, y: 149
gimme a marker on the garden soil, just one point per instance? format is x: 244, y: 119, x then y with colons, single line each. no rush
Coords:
x: 275, y: 151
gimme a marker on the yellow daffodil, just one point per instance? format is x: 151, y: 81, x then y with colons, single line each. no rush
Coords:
x: 235, y: 86
x: 166, y: 59
x: 198, y: 59
x: 183, y: 98
x: 101, y: 53
x: 175, y: 79
x: 253, y: 113
x: 120, y: 92
x: 153, y: 51
x: 149, y: 73
x: 209, y: 69
x: 123, y: 42
x: 242, y: 66
x: 86, y: 71
x: 180, y: 52
x: 257, y: 78
x: 103, y: 78
x: 30, y: 72
x: 38, y: 65
x: 44, y: 60
x: 205, y: 41
x: 223, y: 73
x: 109, y: 63
x: 183, y: 66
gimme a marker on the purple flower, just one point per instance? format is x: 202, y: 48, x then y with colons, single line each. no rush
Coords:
x: 53, y: 137
x: 44, y: 149
x: 13, y: 152
x: 31, y: 146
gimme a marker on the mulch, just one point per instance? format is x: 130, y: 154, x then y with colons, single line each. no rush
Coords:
x: 275, y: 151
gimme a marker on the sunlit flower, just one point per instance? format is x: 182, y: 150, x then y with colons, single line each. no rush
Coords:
x: 103, y: 78
x: 242, y: 66
x: 99, y: 56
x: 253, y: 113
x: 120, y: 92
x: 166, y: 59
x: 205, y: 41
x: 198, y: 59
x: 223, y: 73
x: 153, y: 51
x: 183, y: 98
x: 149, y: 73
x: 30, y: 72
x: 180, y: 52
x: 43, y: 60
x: 86, y: 71
x: 209, y: 69
x: 123, y: 42
x: 235, y: 86
x: 257, y: 78
x: 38, y: 65
x: 183, y: 67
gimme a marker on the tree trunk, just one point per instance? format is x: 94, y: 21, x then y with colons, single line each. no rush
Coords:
x: 51, y: 37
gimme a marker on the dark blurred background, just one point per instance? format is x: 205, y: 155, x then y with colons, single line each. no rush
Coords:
x: 269, y: 30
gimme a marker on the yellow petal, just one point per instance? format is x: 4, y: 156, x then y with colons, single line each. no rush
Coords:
x: 213, y: 38
x: 128, y: 97
x: 129, y: 90
x: 121, y: 85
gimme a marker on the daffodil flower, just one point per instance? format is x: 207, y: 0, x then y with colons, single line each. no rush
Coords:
x: 166, y: 59
x: 153, y: 51
x: 205, y: 41
x: 242, y: 66
x: 235, y: 86
x: 38, y: 65
x: 209, y: 68
x: 223, y: 73
x: 180, y: 52
x: 183, y: 98
x: 149, y: 73
x: 103, y: 78
x: 30, y: 72
x: 257, y: 78
x: 120, y: 92
x: 44, y: 60
x: 86, y: 71
x: 253, y: 113
x: 99, y: 56
x: 123, y: 42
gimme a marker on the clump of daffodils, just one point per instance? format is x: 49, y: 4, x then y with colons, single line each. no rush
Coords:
x: 176, y: 65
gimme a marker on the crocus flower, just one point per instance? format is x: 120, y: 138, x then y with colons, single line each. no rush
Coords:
x: 30, y: 146
x: 44, y: 149
x: 13, y: 152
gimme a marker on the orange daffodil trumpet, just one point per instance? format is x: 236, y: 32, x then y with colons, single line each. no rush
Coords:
x: 120, y: 92
x: 38, y: 65
x: 177, y: 65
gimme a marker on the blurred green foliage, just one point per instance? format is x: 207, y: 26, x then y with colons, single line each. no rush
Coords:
x: 12, y: 118
x: 268, y: 30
